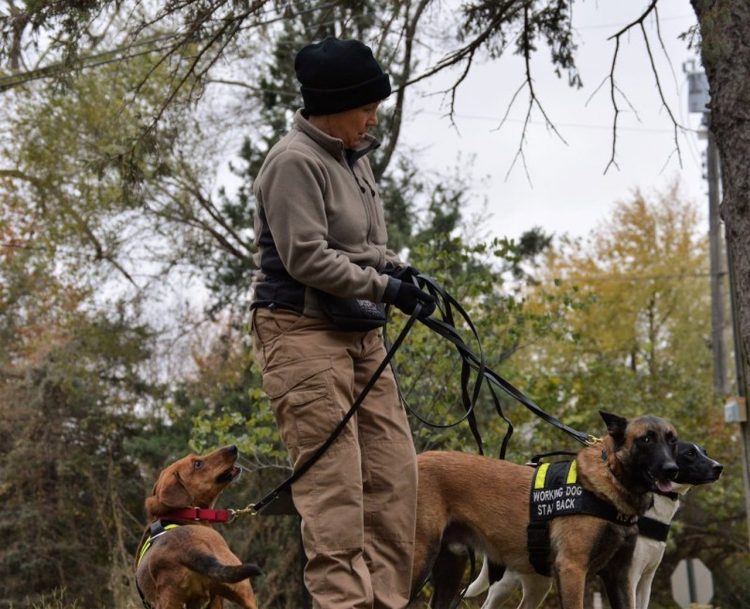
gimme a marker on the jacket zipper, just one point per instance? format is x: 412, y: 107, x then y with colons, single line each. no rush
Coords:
x: 365, y: 202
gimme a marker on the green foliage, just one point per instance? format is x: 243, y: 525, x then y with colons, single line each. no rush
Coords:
x: 71, y: 380
x: 80, y: 157
x: 225, y: 403
x: 67, y: 478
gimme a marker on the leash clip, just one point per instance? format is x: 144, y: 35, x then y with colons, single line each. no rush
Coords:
x: 234, y: 514
x: 592, y: 440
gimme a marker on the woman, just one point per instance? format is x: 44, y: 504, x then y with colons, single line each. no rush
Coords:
x: 320, y: 232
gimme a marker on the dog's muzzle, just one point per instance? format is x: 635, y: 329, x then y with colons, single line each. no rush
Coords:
x: 229, y: 475
x: 662, y: 480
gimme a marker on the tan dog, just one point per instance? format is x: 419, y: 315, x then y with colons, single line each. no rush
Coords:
x: 190, y: 565
x: 467, y: 500
x: 696, y: 468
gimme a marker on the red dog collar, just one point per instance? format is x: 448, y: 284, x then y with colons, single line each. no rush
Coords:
x: 200, y: 514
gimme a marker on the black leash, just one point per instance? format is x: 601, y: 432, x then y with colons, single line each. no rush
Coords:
x: 269, y: 498
x: 446, y: 328
x: 472, y: 572
x: 537, y: 459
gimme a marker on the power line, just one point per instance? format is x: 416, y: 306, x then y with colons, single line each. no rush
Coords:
x: 636, y: 278
x: 497, y: 119
x: 602, y: 26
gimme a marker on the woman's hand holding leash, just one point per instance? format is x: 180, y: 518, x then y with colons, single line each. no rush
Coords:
x: 406, y: 296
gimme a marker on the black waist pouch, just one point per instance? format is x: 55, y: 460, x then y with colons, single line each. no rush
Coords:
x: 352, y: 314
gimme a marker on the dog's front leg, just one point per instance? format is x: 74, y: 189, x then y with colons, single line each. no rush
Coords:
x: 618, y: 589
x: 617, y: 574
x: 570, y: 577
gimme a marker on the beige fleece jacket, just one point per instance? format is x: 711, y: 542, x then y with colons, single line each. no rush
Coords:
x: 326, y: 218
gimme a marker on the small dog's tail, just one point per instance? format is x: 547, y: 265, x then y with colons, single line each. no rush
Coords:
x: 207, y: 565
x: 481, y: 583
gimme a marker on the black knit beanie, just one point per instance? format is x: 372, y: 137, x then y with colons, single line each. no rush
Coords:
x: 338, y: 75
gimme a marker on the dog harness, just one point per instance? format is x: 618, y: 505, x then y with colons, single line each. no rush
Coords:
x: 157, y: 529
x: 555, y: 491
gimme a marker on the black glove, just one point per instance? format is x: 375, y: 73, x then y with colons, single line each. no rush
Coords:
x: 406, y: 296
x: 404, y: 273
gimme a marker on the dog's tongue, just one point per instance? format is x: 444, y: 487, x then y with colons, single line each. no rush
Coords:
x: 664, y: 487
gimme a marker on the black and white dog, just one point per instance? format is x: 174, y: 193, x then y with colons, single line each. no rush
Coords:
x: 696, y: 467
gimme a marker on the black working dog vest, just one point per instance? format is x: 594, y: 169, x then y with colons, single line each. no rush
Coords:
x: 555, y: 491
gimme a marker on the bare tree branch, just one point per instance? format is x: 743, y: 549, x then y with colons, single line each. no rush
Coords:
x: 533, y: 101
x: 504, y: 14
x: 651, y: 8
x: 396, y: 117
x: 612, y: 89
x: 675, y: 124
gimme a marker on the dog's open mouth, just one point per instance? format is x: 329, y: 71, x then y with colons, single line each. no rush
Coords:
x: 661, y: 486
x: 230, y: 474
x: 664, y: 486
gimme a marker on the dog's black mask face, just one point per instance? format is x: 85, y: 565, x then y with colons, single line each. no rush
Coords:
x: 696, y: 467
x: 646, y: 448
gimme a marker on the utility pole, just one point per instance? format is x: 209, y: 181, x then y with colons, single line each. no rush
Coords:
x: 735, y: 409
x: 718, y: 300
x: 698, y: 98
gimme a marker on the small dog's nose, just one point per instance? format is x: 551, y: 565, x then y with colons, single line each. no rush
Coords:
x: 232, y: 449
x: 718, y: 468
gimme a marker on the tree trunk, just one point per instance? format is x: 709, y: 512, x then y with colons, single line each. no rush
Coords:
x: 725, y: 50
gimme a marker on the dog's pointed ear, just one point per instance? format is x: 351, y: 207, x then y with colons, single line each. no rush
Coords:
x: 616, y: 426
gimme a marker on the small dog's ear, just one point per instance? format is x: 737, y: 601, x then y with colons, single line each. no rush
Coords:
x: 152, y: 506
x: 616, y: 426
x: 169, y: 494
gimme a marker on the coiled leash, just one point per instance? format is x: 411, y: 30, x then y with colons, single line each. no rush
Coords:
x: 447, y: 329
x: 470, y: 360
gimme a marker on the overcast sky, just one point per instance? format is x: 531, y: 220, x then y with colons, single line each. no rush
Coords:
x: 569, y: 192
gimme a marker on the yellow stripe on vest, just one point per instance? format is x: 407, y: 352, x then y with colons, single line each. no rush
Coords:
x: 147, y: 543
x: 541, y: 475
x: 572, y: 473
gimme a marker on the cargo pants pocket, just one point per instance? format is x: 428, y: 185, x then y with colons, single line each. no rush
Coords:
x: 301, y: 398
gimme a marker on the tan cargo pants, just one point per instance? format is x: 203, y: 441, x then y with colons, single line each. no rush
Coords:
x: 358, y: 502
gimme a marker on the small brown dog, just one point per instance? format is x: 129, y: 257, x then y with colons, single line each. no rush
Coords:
x: 183, y: 562
x: 471, y: 501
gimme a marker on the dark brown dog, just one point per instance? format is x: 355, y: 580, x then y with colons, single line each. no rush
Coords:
x: 191, y: 565
x: 467, y: 500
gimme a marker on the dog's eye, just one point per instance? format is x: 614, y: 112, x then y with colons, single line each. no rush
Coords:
x: 646, y: 439
x: 197, y: 464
